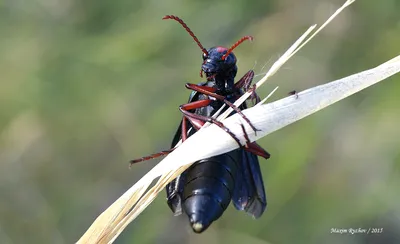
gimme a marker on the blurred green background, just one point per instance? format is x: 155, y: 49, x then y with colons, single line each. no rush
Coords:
x: 88, y: 85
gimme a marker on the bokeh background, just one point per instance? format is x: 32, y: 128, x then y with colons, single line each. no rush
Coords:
x: 88, y: 85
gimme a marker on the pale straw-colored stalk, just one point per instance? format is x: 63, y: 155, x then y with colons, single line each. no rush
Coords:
x: 266, y: 117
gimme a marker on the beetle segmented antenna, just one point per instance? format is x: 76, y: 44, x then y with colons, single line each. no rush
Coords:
x: 188, y: 30
x: 250, y: 38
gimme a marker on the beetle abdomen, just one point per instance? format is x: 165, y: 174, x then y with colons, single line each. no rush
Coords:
x: 208, y: 189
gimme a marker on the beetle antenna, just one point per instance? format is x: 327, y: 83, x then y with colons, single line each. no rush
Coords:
x: 188, y: 30
x: 250, y: 38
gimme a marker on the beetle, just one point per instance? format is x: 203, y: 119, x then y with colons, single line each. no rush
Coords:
x: 205, y: 189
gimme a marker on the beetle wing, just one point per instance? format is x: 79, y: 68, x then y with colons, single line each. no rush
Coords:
x: 249, y: 193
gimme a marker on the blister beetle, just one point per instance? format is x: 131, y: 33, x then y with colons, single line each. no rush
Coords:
x: 205, y: 190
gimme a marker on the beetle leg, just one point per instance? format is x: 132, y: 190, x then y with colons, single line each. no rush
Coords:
x: 254, y: 96
x: 253, y: 147
x: 198, y: 120
x: 152, y: 156
x: 209, y: 91
x: 245, y: 83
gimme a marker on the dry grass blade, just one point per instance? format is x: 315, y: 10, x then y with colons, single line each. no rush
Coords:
x: 300, y: 43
